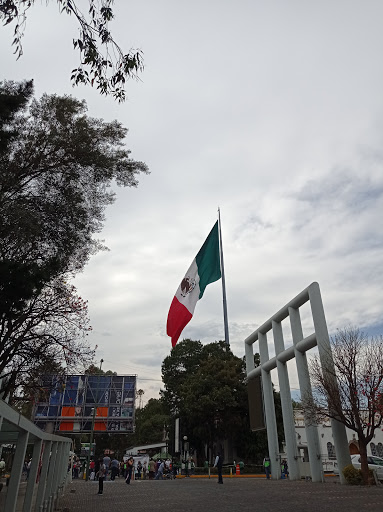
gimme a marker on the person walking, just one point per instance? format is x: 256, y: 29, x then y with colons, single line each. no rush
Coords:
x: 101, y: 472
x: 76, y: 468
x: 92, y: 473
x: 28, y: 469
x: 139, y: 470
x: 266, y: 466
x: 174, y: 469
x: 2, y: 467
x: 160, y: 471
x: 152, y: 469
x: 285, y: 468
x: 218, y: 464
x: 114, y: 469
x: 106, y: 460
x: 144, y: 470
x: 129, y: 469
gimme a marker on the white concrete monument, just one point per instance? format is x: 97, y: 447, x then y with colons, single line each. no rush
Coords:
x: 298, y: 351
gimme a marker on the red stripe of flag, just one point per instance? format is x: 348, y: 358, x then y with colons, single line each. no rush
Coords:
x: 178, y: 318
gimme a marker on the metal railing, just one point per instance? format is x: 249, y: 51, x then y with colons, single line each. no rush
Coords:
x: 49, y: 466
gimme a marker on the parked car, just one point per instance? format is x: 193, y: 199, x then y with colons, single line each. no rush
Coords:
x: 375, y: 463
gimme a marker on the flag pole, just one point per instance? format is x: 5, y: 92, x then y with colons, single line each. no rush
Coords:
x: 223, y: 282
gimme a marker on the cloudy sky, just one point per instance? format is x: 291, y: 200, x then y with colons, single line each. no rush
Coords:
x: 272, y: 111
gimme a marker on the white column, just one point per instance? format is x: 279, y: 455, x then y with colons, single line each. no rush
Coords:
x: 287, y: 408
x: 43, y: 474
x: 249, y: 357
x: 64, y: 472
x: 64, y: 463
x: 16, y: 471
x: 57, y: 477
x: 327, y: 363
x: 268, y: 399
x: 27, y: 507
x: 51, y: 471
x: 305, y: 388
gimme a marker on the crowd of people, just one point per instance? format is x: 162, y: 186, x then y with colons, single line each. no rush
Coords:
x: 106, y: 468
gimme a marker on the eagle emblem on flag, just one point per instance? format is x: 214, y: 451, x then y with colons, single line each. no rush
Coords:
x: 187, y: 285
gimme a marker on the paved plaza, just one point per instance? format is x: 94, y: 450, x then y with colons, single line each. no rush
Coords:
x: 236, y: 494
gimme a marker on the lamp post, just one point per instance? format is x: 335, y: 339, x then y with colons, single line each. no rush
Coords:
x: 93, y: 410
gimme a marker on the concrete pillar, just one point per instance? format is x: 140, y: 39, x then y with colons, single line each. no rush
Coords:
x: 56, y: 475
x: 249, y: 357
x: 268, y: 399
x: 59, y: 467
x: 27, y: 507
x: 61, y: 462
x: 327, y: 363
x: 305, y: 388
x: 16, y: 471
x: 51, y: 471
x: 43, y: 475
x: 287, y: 408
x: 65, y: 461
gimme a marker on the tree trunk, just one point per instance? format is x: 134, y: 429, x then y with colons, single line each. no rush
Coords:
x: 363, y: 460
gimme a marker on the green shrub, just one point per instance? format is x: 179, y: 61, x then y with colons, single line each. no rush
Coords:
x: 352, y: 475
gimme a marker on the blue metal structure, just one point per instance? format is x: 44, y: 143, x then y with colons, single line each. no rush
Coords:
x: 72, y: 402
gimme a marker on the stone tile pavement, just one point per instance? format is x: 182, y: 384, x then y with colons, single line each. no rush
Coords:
x: 235, y: 495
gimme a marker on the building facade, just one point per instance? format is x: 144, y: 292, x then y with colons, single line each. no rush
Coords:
x: 328, y: 452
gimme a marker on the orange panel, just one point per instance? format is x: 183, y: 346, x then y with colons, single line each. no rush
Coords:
x: 100, y: 425
x: 102, y: 411
x: 67, y: 411
x: 67, y: 426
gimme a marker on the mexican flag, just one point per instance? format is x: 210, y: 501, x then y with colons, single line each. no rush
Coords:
x: 205, y: 269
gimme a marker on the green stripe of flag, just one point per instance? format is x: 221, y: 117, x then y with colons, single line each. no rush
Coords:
x: 208, y: 262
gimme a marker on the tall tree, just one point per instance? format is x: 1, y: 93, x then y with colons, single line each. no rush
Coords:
x: 355, y: 395
x: 14, y: 98
x: 24, y: 395
x: 177, y: 368
x: 56, y: 169
x: 55, y: 178
x: 102, y: 61
x: 96, y: 370
x: 205, y: 385
x: 52, y: 326
x: 150, y: 421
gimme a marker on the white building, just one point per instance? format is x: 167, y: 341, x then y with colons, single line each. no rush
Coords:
x: 375, y: 447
